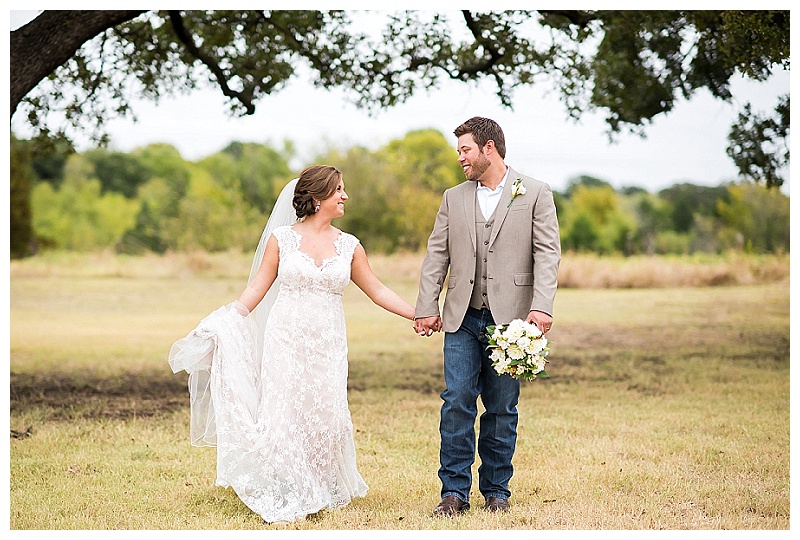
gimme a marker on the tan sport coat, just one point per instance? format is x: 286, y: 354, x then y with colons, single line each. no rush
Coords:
x: 522, y: 262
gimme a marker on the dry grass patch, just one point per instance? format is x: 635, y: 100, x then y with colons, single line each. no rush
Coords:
x: 577, y: 270
x: 592, y: 271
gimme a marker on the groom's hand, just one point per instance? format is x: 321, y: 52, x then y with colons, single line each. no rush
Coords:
x: 426, y: 326
x: 540, y: 319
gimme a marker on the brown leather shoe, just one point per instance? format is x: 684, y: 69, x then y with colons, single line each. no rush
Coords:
x: 450, y: 506
x: 495, y: 504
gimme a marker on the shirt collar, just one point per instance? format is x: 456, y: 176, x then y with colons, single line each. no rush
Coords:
x: 499, y: 187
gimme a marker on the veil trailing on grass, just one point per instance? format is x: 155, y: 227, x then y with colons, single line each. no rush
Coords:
x: 195, y: 352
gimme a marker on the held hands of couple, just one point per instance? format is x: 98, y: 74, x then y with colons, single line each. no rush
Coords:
x: 426, y: 326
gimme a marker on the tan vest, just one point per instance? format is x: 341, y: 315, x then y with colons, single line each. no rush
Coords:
x: 483, y: 232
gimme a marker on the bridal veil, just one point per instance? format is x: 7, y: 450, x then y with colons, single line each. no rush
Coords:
x: 194, y: 352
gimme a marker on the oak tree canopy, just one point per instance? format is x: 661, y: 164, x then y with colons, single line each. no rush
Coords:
x: 631, y: 66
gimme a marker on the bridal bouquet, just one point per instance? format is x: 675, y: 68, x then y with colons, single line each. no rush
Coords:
x: 519, y: 348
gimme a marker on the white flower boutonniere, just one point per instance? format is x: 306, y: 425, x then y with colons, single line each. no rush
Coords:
x: 516, y: 189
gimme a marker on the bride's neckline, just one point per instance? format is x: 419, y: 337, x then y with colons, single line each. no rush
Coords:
x: 312, y: 259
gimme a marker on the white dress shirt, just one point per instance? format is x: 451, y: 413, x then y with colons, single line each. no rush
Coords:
x: 488, y: 198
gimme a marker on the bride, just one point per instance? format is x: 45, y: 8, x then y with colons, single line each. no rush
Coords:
x: 268, y: 372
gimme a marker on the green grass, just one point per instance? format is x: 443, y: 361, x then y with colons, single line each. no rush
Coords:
x: 667, y: 409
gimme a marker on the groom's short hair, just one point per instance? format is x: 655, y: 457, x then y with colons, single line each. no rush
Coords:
x: 484, y: 130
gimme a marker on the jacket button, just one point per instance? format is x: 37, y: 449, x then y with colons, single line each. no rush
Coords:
x: 471, y: 281
x: 486, y: 243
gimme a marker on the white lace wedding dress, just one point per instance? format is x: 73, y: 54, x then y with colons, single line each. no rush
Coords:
x: 281, y: 423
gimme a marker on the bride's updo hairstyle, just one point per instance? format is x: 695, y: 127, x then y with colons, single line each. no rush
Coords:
x: 315, y: 182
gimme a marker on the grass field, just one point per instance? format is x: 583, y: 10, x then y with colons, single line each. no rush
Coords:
x: 668, y: 407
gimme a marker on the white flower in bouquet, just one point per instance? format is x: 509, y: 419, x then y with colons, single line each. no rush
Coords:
x: 514, y: 333
x: 536, y: 363
x: 498, y: 355
x: 515, y: 352
x: 532, y: 330
x: 518, y: 348
x: 503, y: 342
x: 501, y: 366
x: 536, y: 346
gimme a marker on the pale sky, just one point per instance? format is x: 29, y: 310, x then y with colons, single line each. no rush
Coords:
x: 687, y: 145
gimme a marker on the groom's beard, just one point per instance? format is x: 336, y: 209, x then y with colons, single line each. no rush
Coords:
x: 479, y: 166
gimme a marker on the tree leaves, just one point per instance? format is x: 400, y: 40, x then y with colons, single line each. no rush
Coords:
x: 631, y: 65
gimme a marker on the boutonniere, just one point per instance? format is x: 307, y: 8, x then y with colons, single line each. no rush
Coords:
x: 516, y: 189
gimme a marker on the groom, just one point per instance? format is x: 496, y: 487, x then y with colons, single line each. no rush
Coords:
x: 498, y: 236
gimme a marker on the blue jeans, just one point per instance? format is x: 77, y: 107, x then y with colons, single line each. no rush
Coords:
x: 468, y: 373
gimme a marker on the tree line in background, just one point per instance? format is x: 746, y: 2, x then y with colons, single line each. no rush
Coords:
x: 152, y: 200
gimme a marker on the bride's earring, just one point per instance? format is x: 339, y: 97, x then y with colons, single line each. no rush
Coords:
x: 316, y: 208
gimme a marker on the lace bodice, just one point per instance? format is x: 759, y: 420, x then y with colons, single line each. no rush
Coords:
x: 298, y: 271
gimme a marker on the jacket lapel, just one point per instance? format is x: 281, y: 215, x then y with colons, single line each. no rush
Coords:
x: 502, y: 206
x: 469, y: 209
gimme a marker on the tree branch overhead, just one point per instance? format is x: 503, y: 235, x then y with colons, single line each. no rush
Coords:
x: 51, y: 39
